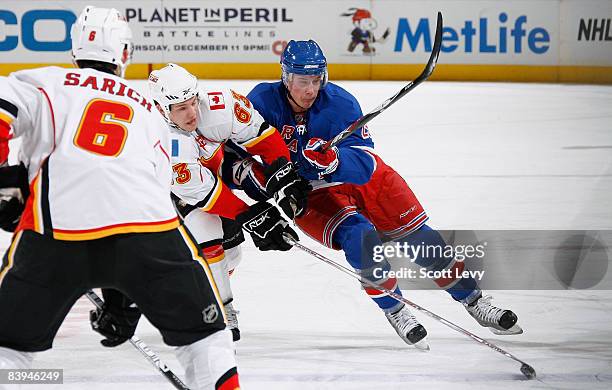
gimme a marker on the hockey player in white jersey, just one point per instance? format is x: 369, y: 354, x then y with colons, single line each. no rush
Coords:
x: 95, y: 153
x: 201, y: 122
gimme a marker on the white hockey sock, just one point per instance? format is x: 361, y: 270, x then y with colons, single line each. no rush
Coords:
x: 208, y: 360
x: 233, y: 256
x: 13, y: 359
x: 221, y: 275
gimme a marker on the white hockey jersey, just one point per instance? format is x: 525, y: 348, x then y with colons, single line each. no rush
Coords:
x: 197, y: 156
x: 97, y: 153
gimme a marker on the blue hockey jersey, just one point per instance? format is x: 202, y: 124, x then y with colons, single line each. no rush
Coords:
x: 333, y: 111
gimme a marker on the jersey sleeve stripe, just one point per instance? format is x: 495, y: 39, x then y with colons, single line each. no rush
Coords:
x: 265, y: 134
x: 5, y: 119
x: 9, y: 107
x: 206, y: 201
x: 213, y: 196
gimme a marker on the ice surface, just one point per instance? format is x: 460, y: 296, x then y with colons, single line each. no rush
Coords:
x: 478, y: 156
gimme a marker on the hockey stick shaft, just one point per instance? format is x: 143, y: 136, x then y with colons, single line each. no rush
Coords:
x: 400, y: 298
x: 144, y: 349
x: 365, y: 119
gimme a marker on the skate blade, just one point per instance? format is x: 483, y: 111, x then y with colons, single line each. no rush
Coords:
x: 516, y: 329
x: 422, y: 345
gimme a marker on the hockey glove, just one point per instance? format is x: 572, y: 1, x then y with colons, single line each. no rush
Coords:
x: 13, y: 193
x: 11, y: 209
x: 248, y: 175
x: 117, y: 320
x: 266, y: 226
x: 324, y: 163
x: 289, y: 189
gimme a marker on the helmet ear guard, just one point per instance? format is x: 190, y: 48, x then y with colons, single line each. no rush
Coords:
x: 304, y: 58
x: 170, y: 85
x: 102, y: 35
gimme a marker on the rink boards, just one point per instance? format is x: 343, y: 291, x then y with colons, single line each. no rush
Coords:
x: 540, y: 40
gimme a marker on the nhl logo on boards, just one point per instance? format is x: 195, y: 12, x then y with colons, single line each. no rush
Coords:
x: 210, y: 314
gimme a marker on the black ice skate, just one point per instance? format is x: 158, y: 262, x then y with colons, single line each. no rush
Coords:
x: 408, y: 328
x: 499, y: 321
x: 232, y: 320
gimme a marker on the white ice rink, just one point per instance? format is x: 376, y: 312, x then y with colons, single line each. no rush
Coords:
x: 478, y: 156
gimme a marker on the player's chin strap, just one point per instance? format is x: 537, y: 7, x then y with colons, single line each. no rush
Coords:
x: 294, y: 102
x: 526, y: 369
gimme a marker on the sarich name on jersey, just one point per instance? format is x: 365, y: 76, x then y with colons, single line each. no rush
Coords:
x: 108, y: 85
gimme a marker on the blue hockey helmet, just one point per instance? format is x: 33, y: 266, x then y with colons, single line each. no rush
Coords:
x: 304, y: 58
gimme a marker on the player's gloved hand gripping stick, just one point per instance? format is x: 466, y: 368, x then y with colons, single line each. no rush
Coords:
x: 144, y: 349
x: 526, y: 369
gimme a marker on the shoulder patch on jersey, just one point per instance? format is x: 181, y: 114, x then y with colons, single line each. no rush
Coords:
x: 216, y: 100
x: 175, y: 148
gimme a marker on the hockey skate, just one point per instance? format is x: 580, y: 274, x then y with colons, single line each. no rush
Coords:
x: 408, y: 328
x: 499, y: 321
x: 232, y: 320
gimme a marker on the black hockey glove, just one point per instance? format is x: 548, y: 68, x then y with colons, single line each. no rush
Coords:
x: 11, y: 208
x: 267, y: 227
x: 13, y: 193
x: 117, y: 320
x: 290, y: 191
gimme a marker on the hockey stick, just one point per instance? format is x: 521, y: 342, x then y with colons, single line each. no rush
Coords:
x: 144, y: 349
x: 429, y: 68
x: 526, y: 369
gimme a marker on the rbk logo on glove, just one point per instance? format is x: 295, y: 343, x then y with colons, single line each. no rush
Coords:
x: 284, y: 171
x: 252, y: 225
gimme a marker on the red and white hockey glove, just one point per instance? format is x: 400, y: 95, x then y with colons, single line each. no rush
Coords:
x: 324, y: 163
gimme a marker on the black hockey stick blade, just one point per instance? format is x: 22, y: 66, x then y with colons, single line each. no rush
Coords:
x: 528, y: 371
x: 429, y: 68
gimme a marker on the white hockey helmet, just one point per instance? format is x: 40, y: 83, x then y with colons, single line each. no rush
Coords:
x: 102, y: 34
x: 172, y: 84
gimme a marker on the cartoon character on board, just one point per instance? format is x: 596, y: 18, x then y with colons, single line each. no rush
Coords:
x: 363, y: 33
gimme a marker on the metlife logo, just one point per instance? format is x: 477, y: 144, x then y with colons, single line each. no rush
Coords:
x: 379, y: 39
x: 482, y: 35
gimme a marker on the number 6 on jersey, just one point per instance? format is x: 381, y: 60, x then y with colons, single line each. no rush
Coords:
x: 97, y: 134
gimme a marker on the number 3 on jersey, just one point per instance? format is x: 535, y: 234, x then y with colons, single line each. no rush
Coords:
x: 183, y: 173
x: 97, y: 134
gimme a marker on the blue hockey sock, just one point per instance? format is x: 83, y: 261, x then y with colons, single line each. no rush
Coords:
x: 460, y: 288
x: 357, y: 236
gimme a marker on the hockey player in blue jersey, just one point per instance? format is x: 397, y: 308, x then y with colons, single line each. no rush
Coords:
x: 358, y: 201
